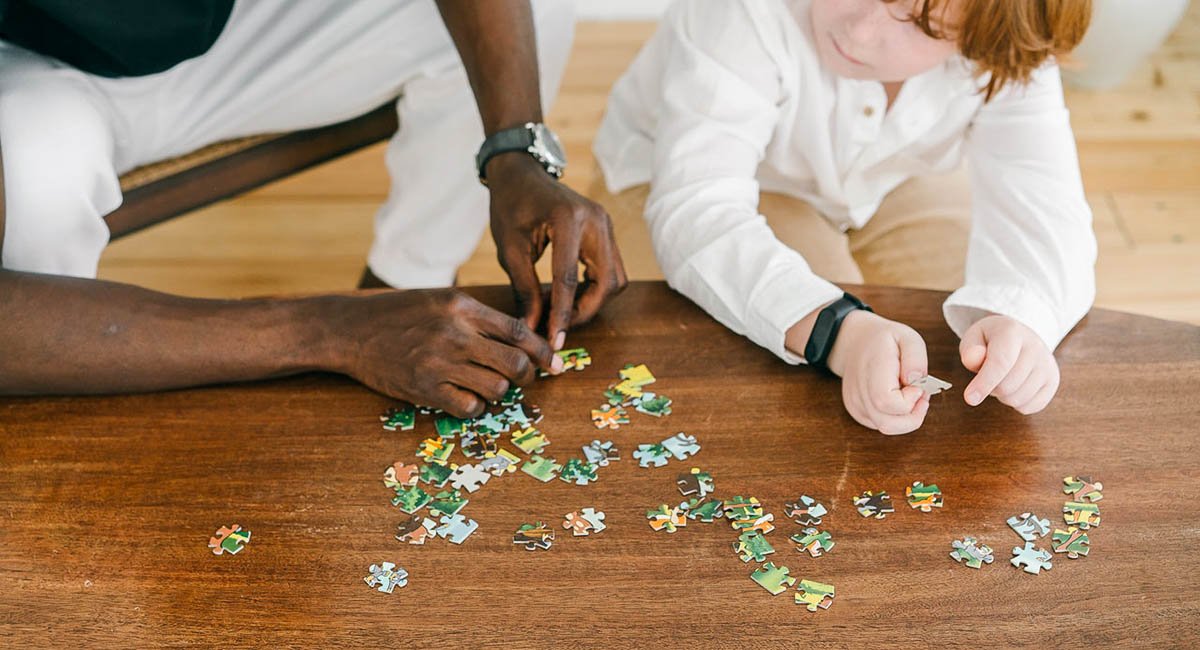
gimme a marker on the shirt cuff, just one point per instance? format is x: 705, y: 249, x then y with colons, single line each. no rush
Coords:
x: 1023, y: 304
x: 784, y: 301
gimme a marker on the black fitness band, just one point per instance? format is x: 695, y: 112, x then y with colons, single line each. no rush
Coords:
x: 825, y: 330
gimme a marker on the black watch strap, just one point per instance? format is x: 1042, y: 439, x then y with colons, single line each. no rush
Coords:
x: 825, y: 330
x: 518, y: 138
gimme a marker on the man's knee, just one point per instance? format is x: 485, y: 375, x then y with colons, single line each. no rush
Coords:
x: 58, y: 177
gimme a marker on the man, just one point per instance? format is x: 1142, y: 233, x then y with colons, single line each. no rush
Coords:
x: 88, y: 91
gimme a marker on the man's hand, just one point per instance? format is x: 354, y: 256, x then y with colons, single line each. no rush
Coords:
x: 436, y: 348
x: 877, y: 359
x: 530, y: 209
x: 1013, y: 365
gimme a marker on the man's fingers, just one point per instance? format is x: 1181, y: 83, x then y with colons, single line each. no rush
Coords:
x: 527, y: 289
x: 484, y: 382
x: 518, y: 334
x: 511, y: 362
x: 998, y: 361
x: 456, y: 401
x: 605, y: 273
x: 566, y: 238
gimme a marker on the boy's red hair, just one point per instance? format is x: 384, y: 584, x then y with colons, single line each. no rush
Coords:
x: 1007, y: 39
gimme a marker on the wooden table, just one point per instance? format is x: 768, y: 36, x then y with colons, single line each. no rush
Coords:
x: 108, y: 504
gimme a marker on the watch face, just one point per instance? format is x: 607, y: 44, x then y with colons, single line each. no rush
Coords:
x: 548, y: 146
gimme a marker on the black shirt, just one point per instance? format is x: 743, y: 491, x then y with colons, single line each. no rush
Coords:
x: 115, y: 38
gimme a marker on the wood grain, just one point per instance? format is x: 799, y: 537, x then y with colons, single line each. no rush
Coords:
x: 108, y: 503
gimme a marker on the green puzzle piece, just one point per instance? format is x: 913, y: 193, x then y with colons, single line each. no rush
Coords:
x: 814, y: 594
x: 436, y: 475
x: 753, y: 545
x: 706, y: 510
x: 402, y: 419
x: 578, y: 472
x: 543, y: 469
x: 410, y: 499
x: 772, y: 578
x: 450, y: 427
x: 447, y: 503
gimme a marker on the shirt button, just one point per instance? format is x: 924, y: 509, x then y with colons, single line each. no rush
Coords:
x: 869, y: 111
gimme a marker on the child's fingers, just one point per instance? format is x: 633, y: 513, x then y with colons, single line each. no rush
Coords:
x: 1023, y: 373
x: 853, y: 402
x: 914, y: 361
x: 973, y: 348
x: 884, y: 395
x: 1041, y: 399
x: 898, y: 425
x: 1001, y: 355
x: 1024, y: 393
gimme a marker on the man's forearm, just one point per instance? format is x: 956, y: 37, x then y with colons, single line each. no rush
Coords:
x: 67, y: 335
x: 495, y: 39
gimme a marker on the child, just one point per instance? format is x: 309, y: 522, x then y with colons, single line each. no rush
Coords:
x: 830, y: 120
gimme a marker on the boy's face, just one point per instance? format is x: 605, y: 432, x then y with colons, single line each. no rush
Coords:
x: 875, y: 40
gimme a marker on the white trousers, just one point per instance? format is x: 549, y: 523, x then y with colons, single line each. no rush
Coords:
x: 279, y: 65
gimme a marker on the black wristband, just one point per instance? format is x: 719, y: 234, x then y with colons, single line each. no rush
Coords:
x: 515, y: 139
x: 825, y: 330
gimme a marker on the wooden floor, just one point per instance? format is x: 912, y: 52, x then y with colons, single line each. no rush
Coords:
x: 1139, y: 150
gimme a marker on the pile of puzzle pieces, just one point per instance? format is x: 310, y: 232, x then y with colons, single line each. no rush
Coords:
x: 630, y: 392
x: 1079, y: 514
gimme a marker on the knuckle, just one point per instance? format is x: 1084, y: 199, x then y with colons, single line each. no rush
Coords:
x: 460, y: 303
x: 498, y: 388
x: 518, y: 330
x: 520, y: 365
x: 569, y: 279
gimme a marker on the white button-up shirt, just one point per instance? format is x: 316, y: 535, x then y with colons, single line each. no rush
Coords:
x: 729, y: 98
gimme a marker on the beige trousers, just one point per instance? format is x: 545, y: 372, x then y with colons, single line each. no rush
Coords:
x: 917, y: 238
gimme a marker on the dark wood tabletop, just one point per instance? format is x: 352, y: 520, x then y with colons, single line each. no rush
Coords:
x: 108, y: 504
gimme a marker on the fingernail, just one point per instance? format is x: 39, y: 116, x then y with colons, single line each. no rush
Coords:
x: 560, y: 340
x: 914, y: 377
x: 973, y: 398
x: 556, y: 365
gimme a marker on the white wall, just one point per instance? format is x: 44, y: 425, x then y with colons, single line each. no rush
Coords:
x: 621, y: 9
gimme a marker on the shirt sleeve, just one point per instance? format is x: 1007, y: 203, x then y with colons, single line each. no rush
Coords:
x: 719, y: 108
x: 1032, y: 251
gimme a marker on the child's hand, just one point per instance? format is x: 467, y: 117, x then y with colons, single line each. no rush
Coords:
x: 1012, y: 362
x: 877, y: 359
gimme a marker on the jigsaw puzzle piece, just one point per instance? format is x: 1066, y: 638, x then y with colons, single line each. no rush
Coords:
x: 970, y: 552
x: 386, y: 576
x: 1083, y: 488
x: 534, y: 537
x: 1072, y: 541
x: 772, y: 578
x: 752, y: 545
x: 415, y: 530
x: 1031, y: 559
x: 814, y: 595
x: 806, y: 511
x: 923, y: 497
x: 681, y: 445
x: 229, y: 539
x: 399, y: 418
x: 456, y: 528
x: 1029, y: 526
x: 543, y: 469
